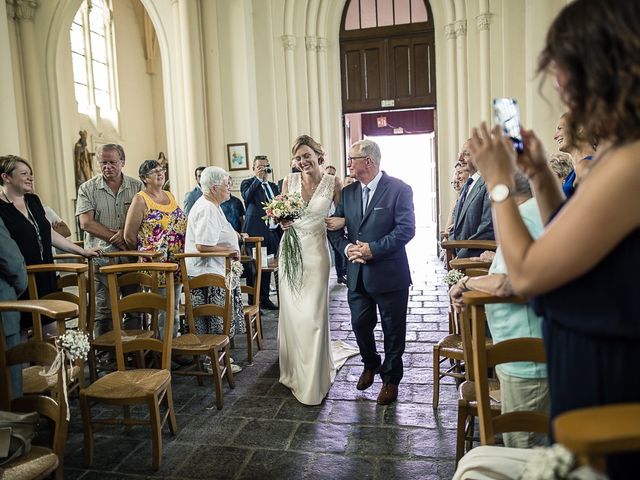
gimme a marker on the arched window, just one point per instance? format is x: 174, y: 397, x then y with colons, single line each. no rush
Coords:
x: 92, y: 57
x: 363, y: 14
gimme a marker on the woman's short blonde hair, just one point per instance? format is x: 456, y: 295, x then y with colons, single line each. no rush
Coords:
x: 8, y: 164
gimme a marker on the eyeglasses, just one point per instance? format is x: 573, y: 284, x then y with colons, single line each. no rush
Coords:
x: 157, y: 171
x: 351, y: 159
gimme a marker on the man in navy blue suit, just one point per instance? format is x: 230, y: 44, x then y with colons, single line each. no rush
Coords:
x: 256, y: 191
x: 379, y: 222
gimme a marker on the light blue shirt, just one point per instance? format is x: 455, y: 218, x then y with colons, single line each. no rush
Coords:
x: 508, y: 320
x: 373, y: 184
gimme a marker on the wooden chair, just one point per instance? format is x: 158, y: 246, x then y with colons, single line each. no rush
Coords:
x: 486, y: 356
x: 595, y: 432
x: 67, y: 258
x: 467, y: 401
x: 71, y: 276
x: 450, y: 247
x: 252, y: 311
x: 215, y: 347
x: 450, y: 347
x: 40, y: 462
x: 105, y: 343
x: 146, y: 386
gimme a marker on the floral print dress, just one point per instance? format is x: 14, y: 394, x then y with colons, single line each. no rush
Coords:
x: 163, y: 230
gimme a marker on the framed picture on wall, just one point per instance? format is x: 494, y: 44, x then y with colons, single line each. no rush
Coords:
x: 238, y: 156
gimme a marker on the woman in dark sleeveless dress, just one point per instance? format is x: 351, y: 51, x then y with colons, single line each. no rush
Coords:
x: 583, y: 269
x: 24, y: 217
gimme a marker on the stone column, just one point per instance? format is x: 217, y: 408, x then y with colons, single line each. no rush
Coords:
x: 452, y: 100
x: 463, y: 97
x: 24, y: 13
x: 312, y: 82
x: 483, y: 22
x: 289, y: 45
x: 9, y: 133
x: 195, y: 134
x: 325, y: 129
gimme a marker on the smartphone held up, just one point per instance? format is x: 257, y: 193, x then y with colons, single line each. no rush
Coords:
x: 507, y: 115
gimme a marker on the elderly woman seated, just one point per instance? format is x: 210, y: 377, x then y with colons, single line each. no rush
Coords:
x: 523, y: 385
x: 208, y: 230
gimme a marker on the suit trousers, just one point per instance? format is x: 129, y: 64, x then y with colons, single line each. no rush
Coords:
x: 393, y: 317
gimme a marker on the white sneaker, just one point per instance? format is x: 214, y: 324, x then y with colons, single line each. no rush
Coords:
x: 235, y: 368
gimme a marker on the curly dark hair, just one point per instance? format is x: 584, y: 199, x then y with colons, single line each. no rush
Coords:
x: 597, y: 44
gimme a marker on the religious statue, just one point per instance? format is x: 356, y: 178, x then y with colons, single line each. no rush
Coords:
x: 82, y: 159
x: 162, y: 160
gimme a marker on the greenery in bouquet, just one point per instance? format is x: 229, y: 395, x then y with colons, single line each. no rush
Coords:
x: 288, y: 206
x: 453, y: 276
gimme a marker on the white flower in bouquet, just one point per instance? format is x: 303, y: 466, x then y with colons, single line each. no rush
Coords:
x: 75, y: 344
x: 453, y: 276
x: 232, y: 279
x: 549, y: 463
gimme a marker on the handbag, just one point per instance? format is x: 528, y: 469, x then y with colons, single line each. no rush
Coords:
x: 16, y: 432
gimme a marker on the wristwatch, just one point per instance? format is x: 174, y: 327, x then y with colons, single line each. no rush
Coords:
x: 499, y: 193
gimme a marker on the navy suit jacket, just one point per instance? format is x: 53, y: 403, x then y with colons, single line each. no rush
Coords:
x: 474, y: 221
x: 253, y: 195
x: 387, y: 225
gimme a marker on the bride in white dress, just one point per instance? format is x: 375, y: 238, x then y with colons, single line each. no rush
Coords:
x: 308, y: 358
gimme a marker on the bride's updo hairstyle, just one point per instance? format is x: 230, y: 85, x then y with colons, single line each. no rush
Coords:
x: 311, y: 143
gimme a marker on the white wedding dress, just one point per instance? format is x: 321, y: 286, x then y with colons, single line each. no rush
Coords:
x: 308, y: 358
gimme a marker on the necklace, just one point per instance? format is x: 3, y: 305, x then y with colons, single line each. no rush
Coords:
x: 7, y: 198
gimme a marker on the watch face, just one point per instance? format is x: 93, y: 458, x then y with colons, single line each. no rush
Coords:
x: 499, y: 193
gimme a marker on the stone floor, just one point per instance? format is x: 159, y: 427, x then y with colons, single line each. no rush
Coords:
x: 264, y: 433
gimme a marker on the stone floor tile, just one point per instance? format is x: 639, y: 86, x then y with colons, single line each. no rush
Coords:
x: 338, y: 467
x: 320, y: 437
x: 276, y: 465
x: 407, y: 469
x: 254, y: 407
x: 210, y: 430
x: 272, y: 434
x: 214, y: 463
x: 360, y: 412
x: 378, y: 441
x: 294, y: 410
x: 173, y: 456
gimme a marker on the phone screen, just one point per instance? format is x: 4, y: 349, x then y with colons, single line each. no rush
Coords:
x: 507, y: 115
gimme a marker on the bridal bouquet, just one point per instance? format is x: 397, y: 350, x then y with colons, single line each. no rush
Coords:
x: 288, y: 207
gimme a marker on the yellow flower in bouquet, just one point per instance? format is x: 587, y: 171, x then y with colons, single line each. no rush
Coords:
x: 289, y: 206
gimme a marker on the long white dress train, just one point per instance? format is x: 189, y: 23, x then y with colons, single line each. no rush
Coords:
x: 309, y: 360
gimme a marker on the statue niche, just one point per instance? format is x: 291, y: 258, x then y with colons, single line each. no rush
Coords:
x: 82, y: 159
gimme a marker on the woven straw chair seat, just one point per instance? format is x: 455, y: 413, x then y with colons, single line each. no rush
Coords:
x: 33, y: 382
x: 129, y: 384
x: 200, y: 343
x: 108, y: 339
x: 467, y: 392
x: 36, y: 464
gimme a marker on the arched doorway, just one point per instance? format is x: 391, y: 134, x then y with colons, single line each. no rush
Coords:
x: 387, y: 60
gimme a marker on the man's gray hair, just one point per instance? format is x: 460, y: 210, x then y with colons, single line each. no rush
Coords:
x: 110, y: 147
x: 523, y: 187
x: 212, y: 176
x: 370, y: 149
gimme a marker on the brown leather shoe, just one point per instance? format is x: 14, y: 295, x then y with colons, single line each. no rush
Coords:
x: 388, y: 394
x: 366, y: 379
